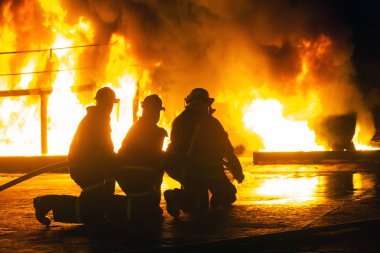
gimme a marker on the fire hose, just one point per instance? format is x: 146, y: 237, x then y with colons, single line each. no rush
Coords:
x: 50, y: 167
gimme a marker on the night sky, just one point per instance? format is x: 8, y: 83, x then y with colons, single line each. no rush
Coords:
x: 363, y: 19
x: 363, y: 16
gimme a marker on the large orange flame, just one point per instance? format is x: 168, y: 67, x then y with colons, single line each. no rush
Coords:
x: 292, y: 131
x: 265, y: 117
x: 62, y: 65
x: 60, y: 70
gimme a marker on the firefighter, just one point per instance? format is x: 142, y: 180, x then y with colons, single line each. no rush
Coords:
x: 140, y: 172
x: 91, y: 156
x: 197, y: 156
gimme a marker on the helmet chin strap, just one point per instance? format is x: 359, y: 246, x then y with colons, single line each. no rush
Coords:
x: 211, y: 110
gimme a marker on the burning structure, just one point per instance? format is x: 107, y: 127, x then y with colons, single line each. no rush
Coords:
x: 280, y: 71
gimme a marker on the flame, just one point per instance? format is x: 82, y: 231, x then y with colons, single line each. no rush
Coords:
x: 311, y: 52
x: 65, y: 62
x: 59, y: 67
x: 291, y: 131
x: 359, y: 145
x: 265, y: 117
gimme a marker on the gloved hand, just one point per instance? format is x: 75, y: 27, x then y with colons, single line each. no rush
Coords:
x: 239, y: 178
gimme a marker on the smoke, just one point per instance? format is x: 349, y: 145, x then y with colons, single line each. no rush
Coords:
x: 235, y: 49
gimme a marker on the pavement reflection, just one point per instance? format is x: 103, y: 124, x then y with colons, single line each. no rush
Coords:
x: 273, y: 198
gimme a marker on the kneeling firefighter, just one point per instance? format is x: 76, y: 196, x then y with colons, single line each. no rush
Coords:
x: 91, y: 156
x: 198, y: 154
x: 140, y: 172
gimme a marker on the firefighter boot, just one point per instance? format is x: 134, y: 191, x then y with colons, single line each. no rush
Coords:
x: 172, y: 203
x: 42, y: 208
x: 66, y: 208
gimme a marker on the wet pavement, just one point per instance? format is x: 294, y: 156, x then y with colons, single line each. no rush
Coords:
x: 280, y: 208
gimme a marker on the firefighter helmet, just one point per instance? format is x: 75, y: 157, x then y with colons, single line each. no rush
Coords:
x: 152, y: 101
x: 106, y: 94
x: 199, y: 94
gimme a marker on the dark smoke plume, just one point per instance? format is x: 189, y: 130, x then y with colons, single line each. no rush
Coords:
x: 232, y: 48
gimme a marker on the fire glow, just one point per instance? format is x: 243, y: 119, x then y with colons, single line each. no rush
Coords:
x: 53, y: 73
x: 289, y: 189
x: 278, y: 132
x: 265, y: 117
x: 20, y: 116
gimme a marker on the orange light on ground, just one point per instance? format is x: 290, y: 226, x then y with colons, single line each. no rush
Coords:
x: 282, y: 190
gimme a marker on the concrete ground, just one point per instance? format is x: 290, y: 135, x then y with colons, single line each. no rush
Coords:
x: 280, y: 208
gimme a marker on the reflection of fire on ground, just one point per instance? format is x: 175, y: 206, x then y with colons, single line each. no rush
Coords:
x: 299, y: 184
x: 277, y: 84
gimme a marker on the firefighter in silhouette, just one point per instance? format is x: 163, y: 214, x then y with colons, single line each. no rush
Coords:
x: 197, y: 156
x: 140, y: 172
x: 91, y: 158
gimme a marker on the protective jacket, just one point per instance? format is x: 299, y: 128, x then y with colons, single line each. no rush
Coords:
x: 92, y: 149
x: 140, y: 172
x: 143, y: 144
x: 199, y: 146
x: 91, y: 154
x: 198, y: 153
